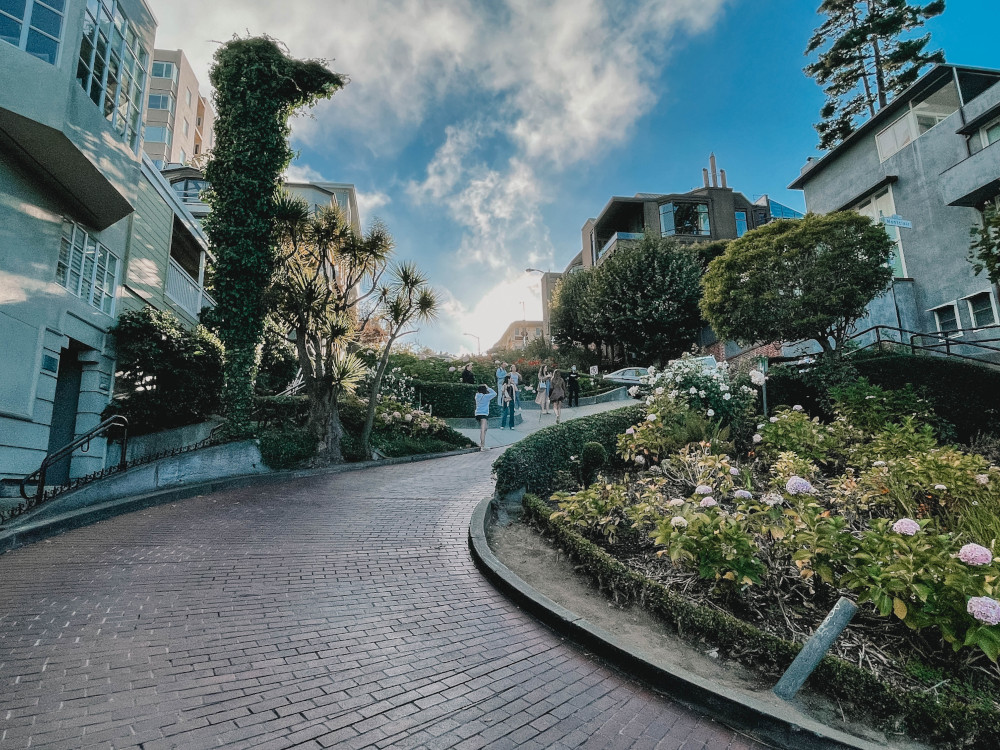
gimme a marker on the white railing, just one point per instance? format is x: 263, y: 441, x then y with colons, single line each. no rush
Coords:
x: 184, y: 290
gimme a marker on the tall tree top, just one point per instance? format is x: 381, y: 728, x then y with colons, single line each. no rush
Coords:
x: 864, y: 61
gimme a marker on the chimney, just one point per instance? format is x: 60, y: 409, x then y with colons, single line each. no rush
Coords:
x: 704, y: 174
x: 722, y: 176
x: 715, y: 175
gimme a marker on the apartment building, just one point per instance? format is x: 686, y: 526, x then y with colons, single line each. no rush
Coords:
x: 925, y: 166
x: 179, y: 120
x: 87, y: 227
x: 518, y: 335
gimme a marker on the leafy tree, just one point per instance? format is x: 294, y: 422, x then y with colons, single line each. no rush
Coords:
x: 865, y: 61
x: 984, y: 254
x: 257, y: 88
x: 798, y: 279
x: 405, y: 300
x: 278, y: 361
x: 326, y: 273
x: 571, y: 314
x: 646, y: 299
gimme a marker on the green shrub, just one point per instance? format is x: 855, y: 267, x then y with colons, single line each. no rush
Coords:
x: 870, y: 407
x: 964, y: 394
x: 278, y: 361
x: 286, y: 447
x: 532, y: 461
x: 452, y: 400
x: 281, y: 411
x: 410, y: 446
x: 168, y: 375
x: 592, y: 459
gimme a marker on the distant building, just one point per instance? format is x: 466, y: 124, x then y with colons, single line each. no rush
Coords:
x: 926, y: 165
x: 179, y: 120
x: 88, y: 227
x: 518, y: 335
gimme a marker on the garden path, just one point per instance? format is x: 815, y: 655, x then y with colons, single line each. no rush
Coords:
x: 334, y: 611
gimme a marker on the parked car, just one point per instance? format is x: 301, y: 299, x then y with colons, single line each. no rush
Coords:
x: 627, y: 375
x: 703, y: 363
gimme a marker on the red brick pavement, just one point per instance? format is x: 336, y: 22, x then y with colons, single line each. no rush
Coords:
x: 337, y: 611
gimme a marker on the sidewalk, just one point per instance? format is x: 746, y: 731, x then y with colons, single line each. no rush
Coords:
x: 536, y: 420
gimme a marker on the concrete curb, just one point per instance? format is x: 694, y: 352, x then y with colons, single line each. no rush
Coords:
x: 780, y: 724
x: 30, y: 532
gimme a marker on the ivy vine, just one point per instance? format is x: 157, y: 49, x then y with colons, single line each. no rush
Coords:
x: 257, y: 88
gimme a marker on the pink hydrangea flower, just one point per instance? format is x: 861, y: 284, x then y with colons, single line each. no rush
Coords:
x: 708, y: 502
x: 797, y: 408
x: 985, y: 609
x: 906, y: 526
x: 798, y: 486
x: 975, y: 554
x: 734, y: 471
x: 630, y: 431
x: 703, y: 489
x: 743, y: 495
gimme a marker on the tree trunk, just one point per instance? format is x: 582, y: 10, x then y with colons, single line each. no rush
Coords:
x: 334, y: 433
x: 366, y: 433
x: 883, y: 95
x: 828, y: 349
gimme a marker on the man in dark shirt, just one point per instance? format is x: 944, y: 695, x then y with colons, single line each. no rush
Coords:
x: 573, y: 379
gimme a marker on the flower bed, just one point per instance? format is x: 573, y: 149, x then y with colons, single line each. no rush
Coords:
x: 755, y: 536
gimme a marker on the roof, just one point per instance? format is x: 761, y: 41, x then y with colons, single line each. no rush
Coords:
x: 932, y: 78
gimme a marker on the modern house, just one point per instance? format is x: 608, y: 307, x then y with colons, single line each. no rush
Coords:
x: 179, y: 120
x: 88, y: 227
x: 926, y: 166
x: 518, y: 335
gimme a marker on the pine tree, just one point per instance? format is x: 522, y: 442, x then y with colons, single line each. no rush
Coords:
x: 866, y: 62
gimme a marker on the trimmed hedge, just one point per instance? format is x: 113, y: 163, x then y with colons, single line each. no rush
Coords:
x: 944, y: 720
x: 965, y: 394
x: 532, y: 462
x: 452, y: 400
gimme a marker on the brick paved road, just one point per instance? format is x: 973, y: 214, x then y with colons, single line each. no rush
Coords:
x: 338, y: 611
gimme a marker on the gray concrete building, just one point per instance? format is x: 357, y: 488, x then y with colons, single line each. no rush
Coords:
x: 926, y: 166
x: 87, y: 227
x: 179, y: 121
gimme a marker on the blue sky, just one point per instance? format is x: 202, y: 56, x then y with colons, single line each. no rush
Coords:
x: 485, y: 135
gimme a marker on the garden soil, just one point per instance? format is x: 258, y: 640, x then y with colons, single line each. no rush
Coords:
x: 547, y: 569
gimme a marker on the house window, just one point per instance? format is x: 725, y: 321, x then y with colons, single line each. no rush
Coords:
x: 157, y: 134
x: 165, y: 70
x: 33, y: 25
x: 741, y: 223
x: 982, y: 309
x: 875, y: 208
x: 684, y: 219
x: 187, y: 126
x: 183, y: 157
x: 87, y: 268
x: 112, y: 67
x: 187, y: 95
x: 946, y: 318
x: 161, y: 101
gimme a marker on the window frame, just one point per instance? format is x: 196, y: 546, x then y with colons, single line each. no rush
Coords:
x: 898, y: 239
x: 26, y: 28
x: 173, y: 70
x: 673, y: 218
x: 88, y: 244
x: 745, y: 222
x: 993, y: 306
x: 958, y: 332
x: 983, y: 138
x: 913, y: 128
x: 172, y: 103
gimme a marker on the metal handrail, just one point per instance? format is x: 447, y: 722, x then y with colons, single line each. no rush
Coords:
x: 84, y: 440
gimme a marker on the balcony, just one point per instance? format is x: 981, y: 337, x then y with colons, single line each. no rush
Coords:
x: 185, y: 291
x: 615, y: 238
x: 974, y: 180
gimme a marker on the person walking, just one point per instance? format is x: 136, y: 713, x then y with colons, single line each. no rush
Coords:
x: 544, y: 380
x: 501, y: 374
x: 573, y: 387
x: 484, y: 395
x: 507, y: 403
x: 467, y: 376
x: 557, y: 392
x: 515, y: 380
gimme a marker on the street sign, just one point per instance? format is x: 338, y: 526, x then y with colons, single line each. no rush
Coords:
x: 896, y: 221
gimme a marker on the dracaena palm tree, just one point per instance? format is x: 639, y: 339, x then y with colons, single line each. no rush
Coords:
x: 403, y: 302
x: 327, y: 274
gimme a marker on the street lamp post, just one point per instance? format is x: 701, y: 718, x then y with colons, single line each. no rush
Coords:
x: 478, y: 349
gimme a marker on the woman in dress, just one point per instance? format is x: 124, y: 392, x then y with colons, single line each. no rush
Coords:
x: 544, y: 380
x: 557, y: 392
x: 507, y: 403
x: 515, y: 380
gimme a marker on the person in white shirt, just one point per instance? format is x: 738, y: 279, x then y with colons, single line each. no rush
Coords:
x: 483, y: 398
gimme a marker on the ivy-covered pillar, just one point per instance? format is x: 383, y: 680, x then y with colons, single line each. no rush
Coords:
x: 257, y: 88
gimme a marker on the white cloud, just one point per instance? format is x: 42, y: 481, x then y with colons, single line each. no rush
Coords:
x: 303, y: 173
x: 370, y: 202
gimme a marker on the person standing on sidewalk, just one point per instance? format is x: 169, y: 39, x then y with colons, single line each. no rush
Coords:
x: 507, y: 403
x: 483, y: 398
x: 515, y: 380
x: 573, y: 383
x: 544, y: 380
x: 501, y: 374
x: 557, y: 393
